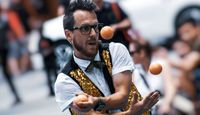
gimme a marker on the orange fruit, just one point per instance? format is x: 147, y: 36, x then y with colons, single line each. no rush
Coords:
x: 155, y: 68
x: 80, y: 98
x: 107, y: 32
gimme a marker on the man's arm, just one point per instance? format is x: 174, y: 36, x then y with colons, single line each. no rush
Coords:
x: 122, y: 82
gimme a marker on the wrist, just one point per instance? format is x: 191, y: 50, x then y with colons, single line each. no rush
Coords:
x: 100, y: 104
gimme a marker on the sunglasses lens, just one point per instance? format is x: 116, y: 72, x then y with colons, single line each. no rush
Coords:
x: 85, y: 29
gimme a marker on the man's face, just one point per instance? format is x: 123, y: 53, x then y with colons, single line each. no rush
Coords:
x: 188, y: 32
x: 84, y: 40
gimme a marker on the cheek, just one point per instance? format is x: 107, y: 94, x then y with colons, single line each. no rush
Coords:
x: 80, y: 40
x: 79, y: 43
x: 78, y: 46
x: 77, y: 38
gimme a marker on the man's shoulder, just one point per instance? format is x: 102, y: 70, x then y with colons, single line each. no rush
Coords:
x: 69, y: 66
x: 116, y: 45
x: 117, y: 49
x: 61, y: 77
x: 112, y: 46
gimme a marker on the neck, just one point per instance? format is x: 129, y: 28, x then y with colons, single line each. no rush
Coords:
x: 84, y: 57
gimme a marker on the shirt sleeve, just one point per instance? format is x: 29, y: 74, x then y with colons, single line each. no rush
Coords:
x: 121, y: 59
x: 65, y: 91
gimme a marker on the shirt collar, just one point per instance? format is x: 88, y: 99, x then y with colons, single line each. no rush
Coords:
x: 84, y: 63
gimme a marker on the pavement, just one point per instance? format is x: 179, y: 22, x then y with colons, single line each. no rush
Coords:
x: 33, y: 90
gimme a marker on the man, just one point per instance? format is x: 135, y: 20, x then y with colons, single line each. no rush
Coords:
x: 108, y: 85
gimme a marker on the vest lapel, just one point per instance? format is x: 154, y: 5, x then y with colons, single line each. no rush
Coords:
x: 73, y: 70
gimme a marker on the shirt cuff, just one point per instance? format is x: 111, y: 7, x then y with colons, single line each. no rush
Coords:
x: 66, y: 105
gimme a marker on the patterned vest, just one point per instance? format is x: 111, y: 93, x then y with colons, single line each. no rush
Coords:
x: 73, y: 70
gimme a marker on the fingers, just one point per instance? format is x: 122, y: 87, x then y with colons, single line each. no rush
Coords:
x: 135, y: 108
x: 152, y: 96
x: 82, y: 102
x: 77, y: 108
x: 147, y: 99
x: 151, y: 104
x: 85, y: 106
x: 151, y: 100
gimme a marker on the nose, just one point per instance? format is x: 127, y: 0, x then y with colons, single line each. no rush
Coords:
x: 93, y: 32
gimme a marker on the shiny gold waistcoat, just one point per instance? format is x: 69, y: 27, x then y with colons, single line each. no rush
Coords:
x: 90, y: 88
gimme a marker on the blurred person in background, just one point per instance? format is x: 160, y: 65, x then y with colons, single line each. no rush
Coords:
x: 189, y: 31
x: 110, y: 13
x: 46, y: 49
x: 24, y: 16
x: 142, y: 54
x: 183, y: 79
x: 4, y: 50
x: 18, y: 55
x: 61, y: 8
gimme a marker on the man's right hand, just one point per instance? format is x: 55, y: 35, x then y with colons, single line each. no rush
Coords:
x: 145, y: 104
x: 84, y: 106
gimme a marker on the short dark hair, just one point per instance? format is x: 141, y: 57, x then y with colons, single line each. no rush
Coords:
x: 184, y: 21
x: 71, y: 6
x: 146, y: 47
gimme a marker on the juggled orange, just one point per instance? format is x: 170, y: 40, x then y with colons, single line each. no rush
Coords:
x: 155, y: 68
x: 80, y: 98
x: 107, y: 32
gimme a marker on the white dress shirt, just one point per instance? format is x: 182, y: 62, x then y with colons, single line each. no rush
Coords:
x: 66, y: 88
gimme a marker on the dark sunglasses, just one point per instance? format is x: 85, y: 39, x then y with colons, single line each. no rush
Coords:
x: 86, y: 28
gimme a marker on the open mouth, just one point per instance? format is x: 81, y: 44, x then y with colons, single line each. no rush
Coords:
x: 93, y: 43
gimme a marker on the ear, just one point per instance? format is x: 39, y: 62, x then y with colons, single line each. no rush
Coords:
x: 69, y: 35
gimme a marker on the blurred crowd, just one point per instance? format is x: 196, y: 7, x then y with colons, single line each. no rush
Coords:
x: 179, y: 81
x: 18, y: 18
